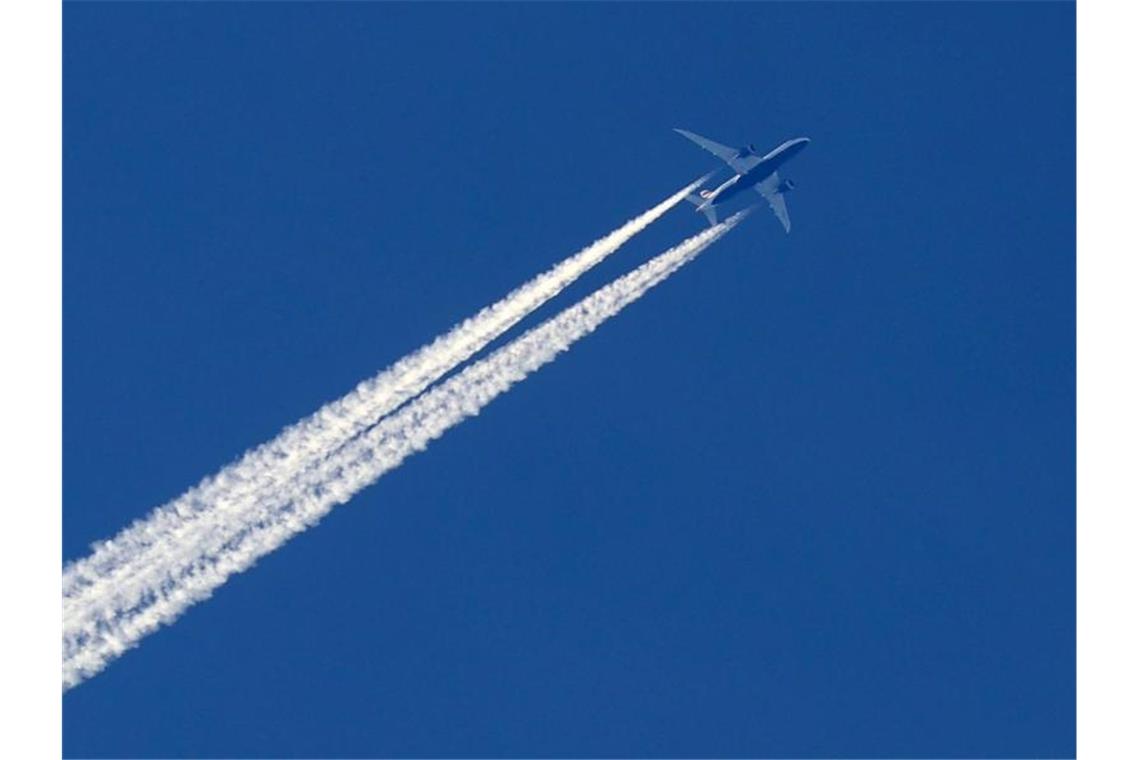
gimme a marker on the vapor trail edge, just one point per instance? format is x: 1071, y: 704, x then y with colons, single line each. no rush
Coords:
x: 379, y: 450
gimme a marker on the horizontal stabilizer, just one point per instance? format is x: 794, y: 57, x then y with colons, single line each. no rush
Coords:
x: 704, y: 207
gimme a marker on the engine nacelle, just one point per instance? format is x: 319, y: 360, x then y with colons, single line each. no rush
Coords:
x: 785, y: 186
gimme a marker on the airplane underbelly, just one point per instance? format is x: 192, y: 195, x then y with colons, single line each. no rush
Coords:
x: 746, y: 182
x: 729, y: 193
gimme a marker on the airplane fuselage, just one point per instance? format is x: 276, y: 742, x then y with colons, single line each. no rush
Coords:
x: 772, y: 161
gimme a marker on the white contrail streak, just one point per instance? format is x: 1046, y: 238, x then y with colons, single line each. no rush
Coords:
x: 91, y: 585
x: 383, y: 447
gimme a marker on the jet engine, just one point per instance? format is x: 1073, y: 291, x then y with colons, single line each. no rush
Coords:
x: 785, y: 186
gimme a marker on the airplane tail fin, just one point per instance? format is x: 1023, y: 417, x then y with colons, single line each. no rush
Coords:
x: 702, y: 204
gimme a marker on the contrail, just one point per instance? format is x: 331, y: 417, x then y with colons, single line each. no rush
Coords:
x: 383, y: 447
x: 105, y: 576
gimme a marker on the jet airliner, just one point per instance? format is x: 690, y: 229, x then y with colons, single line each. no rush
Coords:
x: 752, y: 171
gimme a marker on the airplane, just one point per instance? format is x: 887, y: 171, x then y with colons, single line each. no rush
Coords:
x: 752, y: 171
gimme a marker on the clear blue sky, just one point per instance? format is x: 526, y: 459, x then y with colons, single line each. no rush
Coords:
x: 813, y: 496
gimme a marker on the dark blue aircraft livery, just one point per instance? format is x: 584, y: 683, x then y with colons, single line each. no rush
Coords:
x: 752, y: 171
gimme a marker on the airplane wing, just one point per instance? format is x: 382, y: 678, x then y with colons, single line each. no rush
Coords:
x: 768, y: 189
x: 731, y: 156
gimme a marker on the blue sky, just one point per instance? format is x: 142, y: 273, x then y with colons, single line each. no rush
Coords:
x: 813, y: 496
